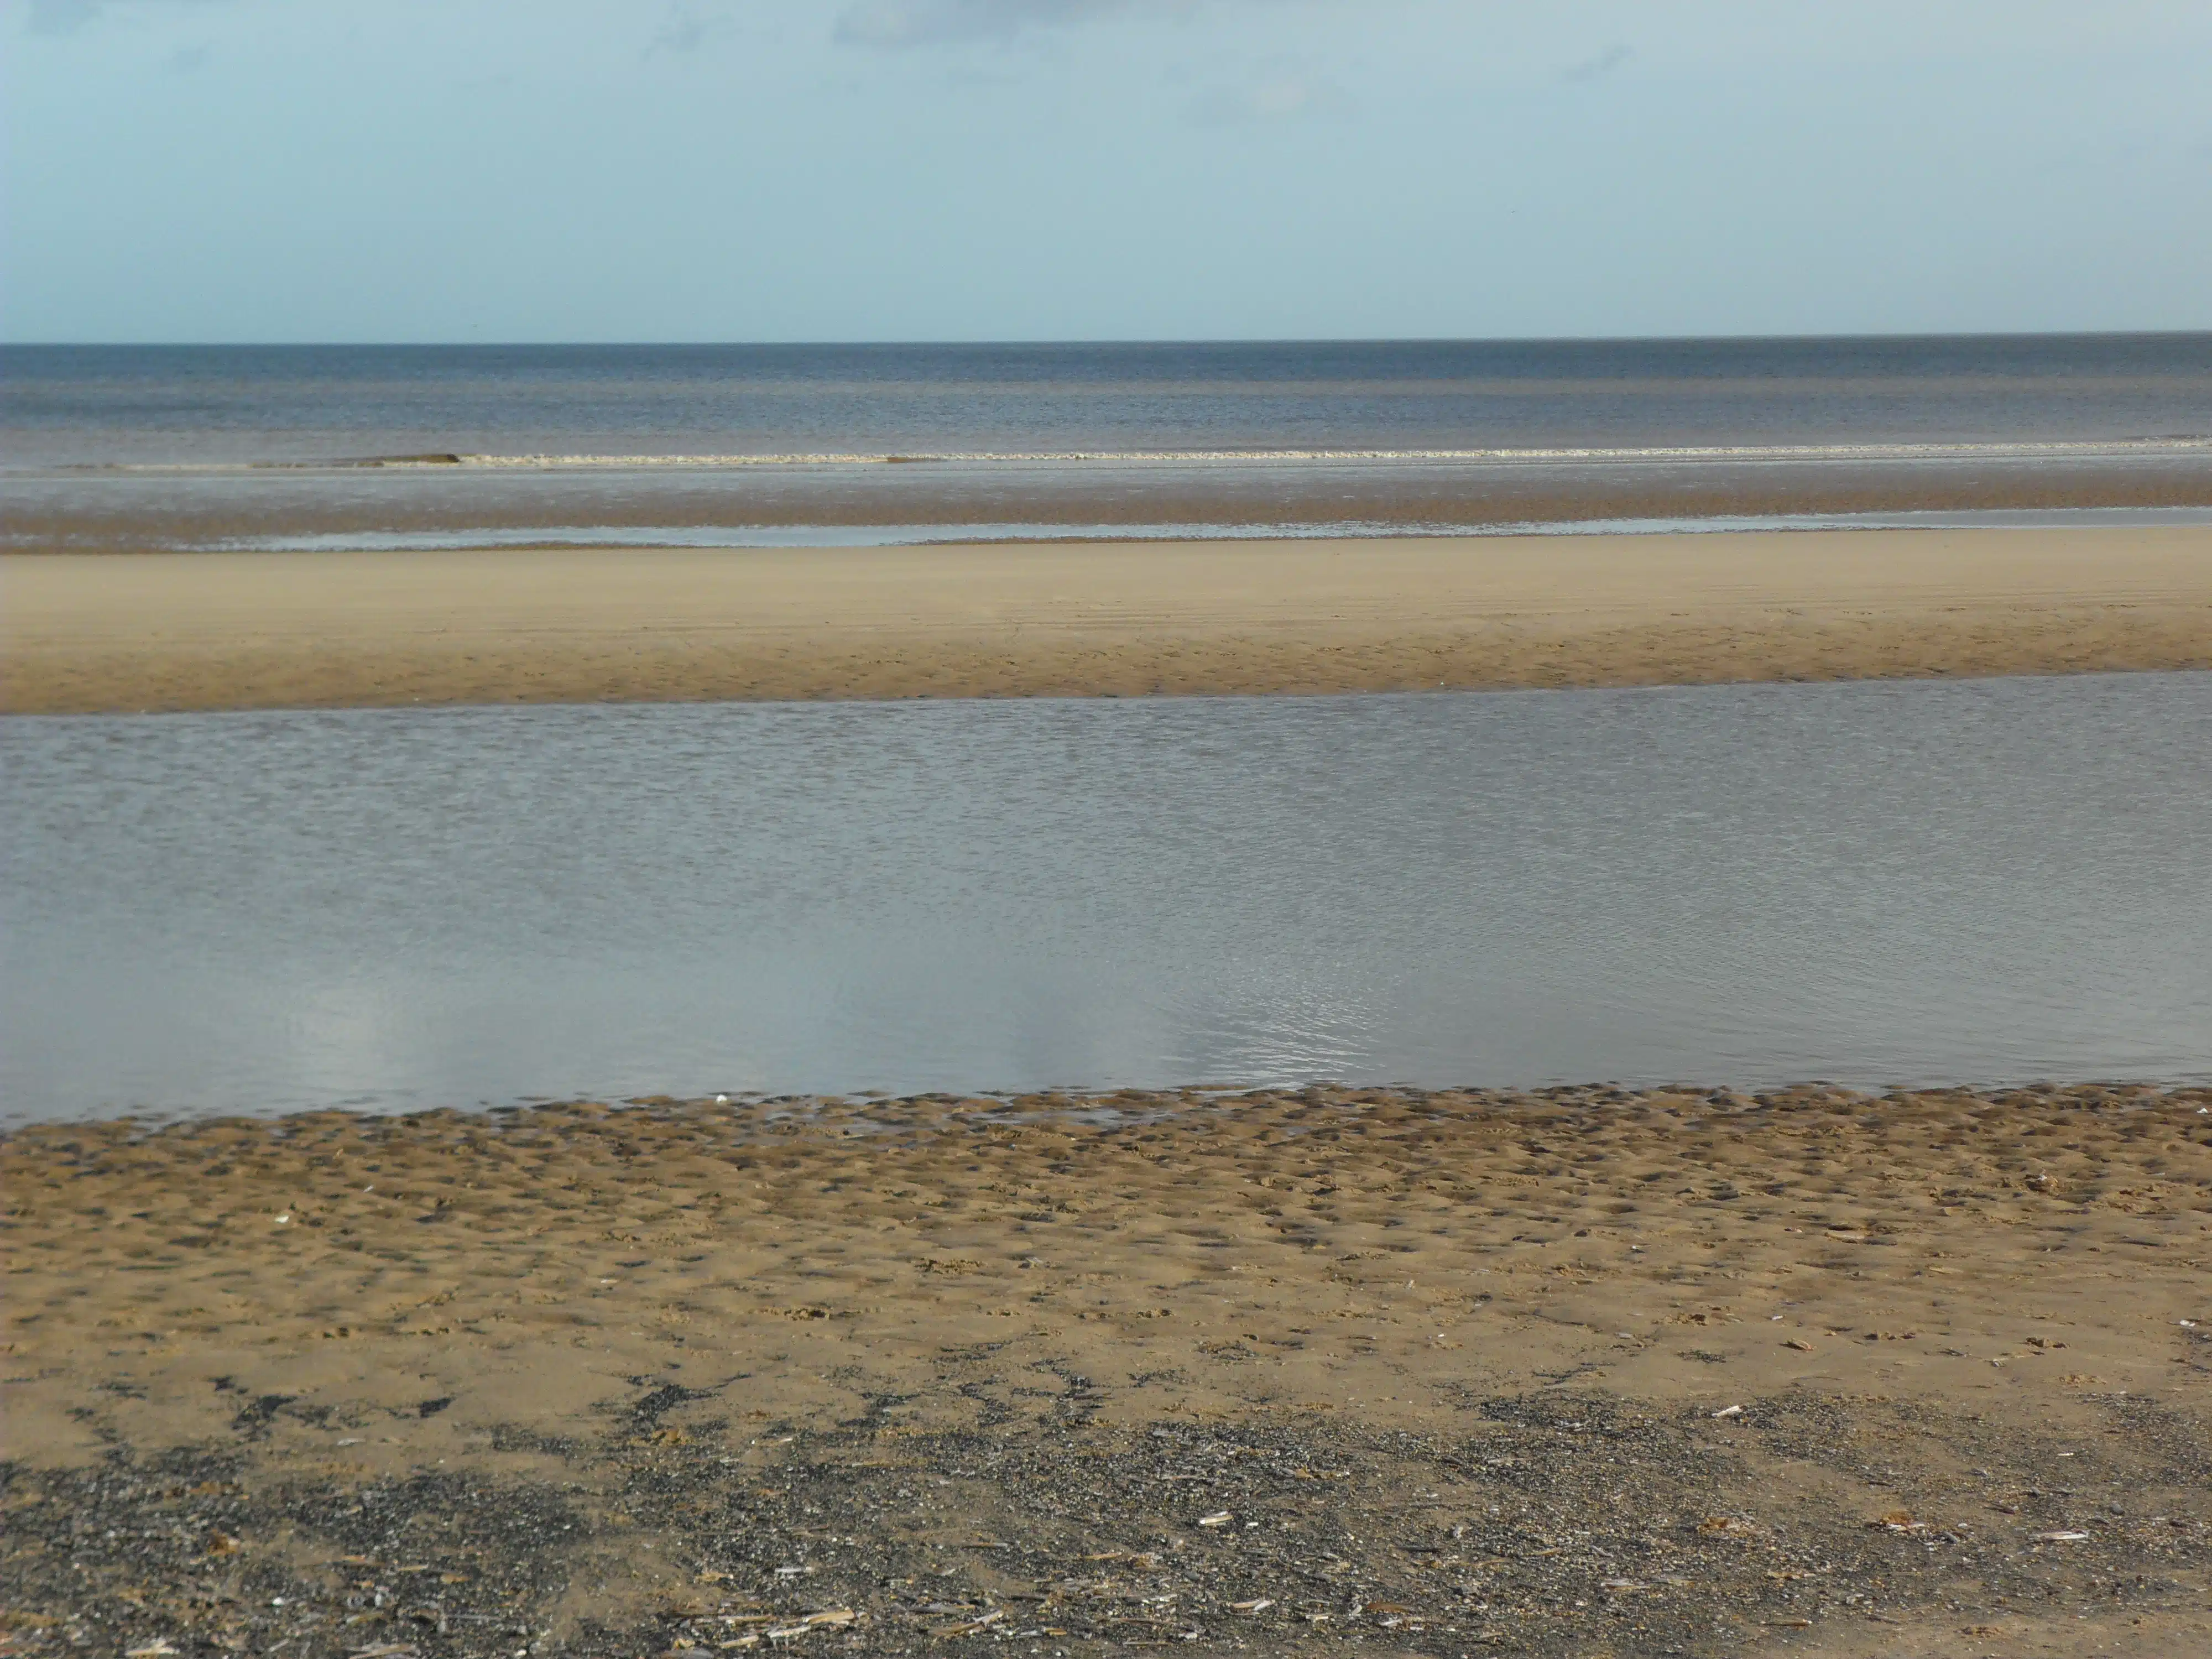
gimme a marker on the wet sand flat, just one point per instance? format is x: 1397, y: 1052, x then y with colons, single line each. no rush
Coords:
x: 1584, y: 1371
x: 124, y: 632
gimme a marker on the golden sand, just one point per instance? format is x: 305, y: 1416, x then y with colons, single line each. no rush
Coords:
x: 82, y: 632
x: 1811, y: 1371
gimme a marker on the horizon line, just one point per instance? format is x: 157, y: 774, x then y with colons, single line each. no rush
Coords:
x: 1112, y: 340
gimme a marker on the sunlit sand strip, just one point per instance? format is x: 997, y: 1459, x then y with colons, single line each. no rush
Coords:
x: 223, y: 630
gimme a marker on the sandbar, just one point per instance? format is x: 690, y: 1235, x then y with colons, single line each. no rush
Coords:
x: 124, y: 632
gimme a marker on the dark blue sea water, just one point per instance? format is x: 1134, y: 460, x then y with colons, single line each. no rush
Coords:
x: 95, y: 406
x: 204, y: 446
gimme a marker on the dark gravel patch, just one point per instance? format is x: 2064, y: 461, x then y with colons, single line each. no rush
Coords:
x: 1550, y: 1524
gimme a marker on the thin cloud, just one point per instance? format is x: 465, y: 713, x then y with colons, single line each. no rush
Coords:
x: 62, y: 16
x: 897, y: 23
x: 1604, y: 64
x: 684, y: 34
x: 1281, y: 98
x: 68, y: 17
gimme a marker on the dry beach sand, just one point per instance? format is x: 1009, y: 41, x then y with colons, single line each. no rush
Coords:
x: 1580, y: 1372
x: 127, y: 631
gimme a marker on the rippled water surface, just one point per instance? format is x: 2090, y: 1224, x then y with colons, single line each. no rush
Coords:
x: 1871, y: 883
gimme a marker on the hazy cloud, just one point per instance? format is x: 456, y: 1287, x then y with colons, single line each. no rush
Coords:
x: 68, y: 17
x: 1604, y: 64
x: 684, y: 34
x: 62, y: 16
x: 934, y: 22
x: 1278, y: 97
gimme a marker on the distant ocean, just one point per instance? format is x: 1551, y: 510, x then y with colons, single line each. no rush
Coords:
x: 336, y: 447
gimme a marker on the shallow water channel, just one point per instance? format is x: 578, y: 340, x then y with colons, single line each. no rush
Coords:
x: 1979, y: 881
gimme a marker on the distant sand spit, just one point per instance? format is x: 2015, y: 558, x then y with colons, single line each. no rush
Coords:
x: 1580, y: 1371
x: 229, y: 630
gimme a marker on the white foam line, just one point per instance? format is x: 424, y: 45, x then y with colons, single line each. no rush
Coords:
x: 1667, y: 452
x: 1782, y: 453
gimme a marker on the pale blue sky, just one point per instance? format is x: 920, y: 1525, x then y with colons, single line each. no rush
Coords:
x: 1073, y: 169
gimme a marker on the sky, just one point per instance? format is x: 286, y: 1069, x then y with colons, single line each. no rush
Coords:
x: 649, y: 170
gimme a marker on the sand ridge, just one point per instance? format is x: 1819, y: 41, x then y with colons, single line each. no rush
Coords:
x: 1853, y: 1361
x: 83, y: 633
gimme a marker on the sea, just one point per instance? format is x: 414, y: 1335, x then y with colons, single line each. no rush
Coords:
x: 1984, y: 882
x: 370, y: 447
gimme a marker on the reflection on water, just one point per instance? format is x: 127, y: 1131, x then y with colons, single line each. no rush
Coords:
x: 1869, y: 882
x: 909, y: 535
